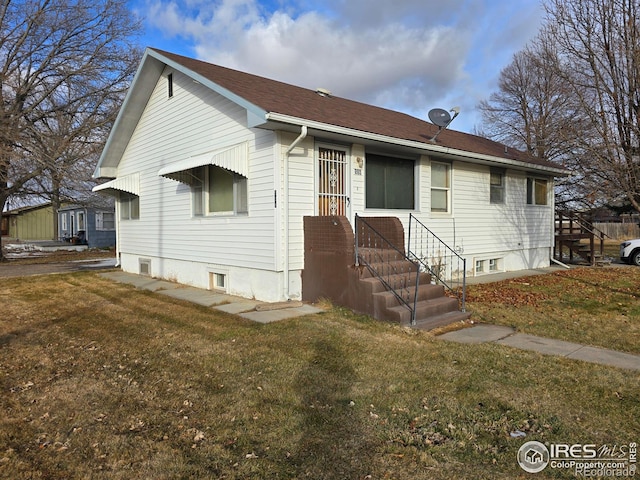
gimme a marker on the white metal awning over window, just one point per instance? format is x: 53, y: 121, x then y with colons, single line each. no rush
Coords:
x: 235, y: 159
x: 128, y: 183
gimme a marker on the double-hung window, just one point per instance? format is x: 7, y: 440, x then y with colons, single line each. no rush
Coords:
x: 218, y: 191
x: 440, y: 187
x: 496, y: 187
x: 537, y: 191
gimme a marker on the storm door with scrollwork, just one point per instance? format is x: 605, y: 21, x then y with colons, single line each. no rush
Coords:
x: 333, y: 198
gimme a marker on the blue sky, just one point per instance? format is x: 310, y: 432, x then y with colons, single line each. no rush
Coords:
x: 407, y: 55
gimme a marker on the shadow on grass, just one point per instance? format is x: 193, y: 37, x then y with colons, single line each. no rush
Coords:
x: 334, y: 442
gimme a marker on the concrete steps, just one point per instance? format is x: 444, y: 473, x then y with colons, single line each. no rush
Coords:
x: 433, y: 307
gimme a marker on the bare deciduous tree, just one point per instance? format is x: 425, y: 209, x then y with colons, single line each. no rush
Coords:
x: 599, y: 42
x: 573, y: 97
x: 534, y: 110
x: 64, y: 65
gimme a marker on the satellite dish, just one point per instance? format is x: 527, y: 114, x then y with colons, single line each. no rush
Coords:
x: 439, y: 117
x: 442, y: 119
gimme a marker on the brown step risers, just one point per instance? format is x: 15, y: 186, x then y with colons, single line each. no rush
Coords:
x: 424, y: 309
x: 441, y: 320
x: 374, y: 285
x: 387, y: 299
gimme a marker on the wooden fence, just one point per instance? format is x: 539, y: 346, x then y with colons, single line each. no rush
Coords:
x: 619, y: 231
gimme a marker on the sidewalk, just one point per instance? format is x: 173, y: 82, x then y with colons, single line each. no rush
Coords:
x: 507, y: 336
x: 250, y: 309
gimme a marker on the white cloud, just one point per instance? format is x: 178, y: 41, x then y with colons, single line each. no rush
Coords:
x: 409, y: 55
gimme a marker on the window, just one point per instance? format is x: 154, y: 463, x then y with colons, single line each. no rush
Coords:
x: 63, y: 221
x: 493, y: 264
x: 218, y: 281
x: 479, y: 266
x: 389, y: 182
x: 105, y: 221
x: 218, y: 191
x: 170, y: 85
x: 536, y: 191
x: 129, y: 206
x: 496, y: 187
x: 440, y: 186
x: 81, y: 221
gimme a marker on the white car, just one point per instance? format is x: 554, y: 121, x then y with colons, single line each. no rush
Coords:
x: 630, y: 251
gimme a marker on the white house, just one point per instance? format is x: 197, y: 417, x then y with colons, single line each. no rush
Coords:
x: 214, y: 170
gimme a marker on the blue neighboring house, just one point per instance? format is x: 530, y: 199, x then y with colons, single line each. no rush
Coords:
x: 91, y: 226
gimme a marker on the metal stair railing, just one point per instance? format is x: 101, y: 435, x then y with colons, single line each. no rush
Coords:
x: 445, y: 265
x: 387, y: 263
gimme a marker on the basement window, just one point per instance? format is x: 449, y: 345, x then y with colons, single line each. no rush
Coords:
x: 218, y: 281
x: 144, y: 266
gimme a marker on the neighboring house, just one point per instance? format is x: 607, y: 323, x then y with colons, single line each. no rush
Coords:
x: 30, y: 223
x: 94, y: 227
x: 214, y: 169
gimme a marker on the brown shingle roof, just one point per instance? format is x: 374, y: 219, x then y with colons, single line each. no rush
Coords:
x: 278, y: 97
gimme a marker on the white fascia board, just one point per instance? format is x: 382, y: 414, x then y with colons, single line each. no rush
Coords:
x: 142, y: 85
x: 149, y: 71
x: 452, y: 153
x: 105, y: 172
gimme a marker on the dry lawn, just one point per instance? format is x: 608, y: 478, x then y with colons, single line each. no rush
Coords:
x: 102, y: 381
x: 598, y: 306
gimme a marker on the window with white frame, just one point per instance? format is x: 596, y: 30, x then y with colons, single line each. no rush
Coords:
x: 440, y: 187
x: 537, y: 191
x: 218, y: 191
x: 105, y: 221
x: 129, y: 206
x: 81, y: 224
x: 496, y: 187
x: 63, y: 221
x: 480, y: 266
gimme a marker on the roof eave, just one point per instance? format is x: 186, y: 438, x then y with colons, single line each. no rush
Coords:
x: 149, y: 71
x: 426, y: 148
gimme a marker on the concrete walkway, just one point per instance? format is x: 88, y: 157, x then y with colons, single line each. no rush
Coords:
x: 548, y: 346
x: 250, y: 309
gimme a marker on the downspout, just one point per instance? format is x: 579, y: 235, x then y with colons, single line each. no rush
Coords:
x: 117, y: 225
x: 303, y: 134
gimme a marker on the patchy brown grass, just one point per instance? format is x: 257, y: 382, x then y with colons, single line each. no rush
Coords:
x: 599, y: 306
x: 99, y: 380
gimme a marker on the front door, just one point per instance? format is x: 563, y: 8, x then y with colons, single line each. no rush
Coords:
x: 333, y: 182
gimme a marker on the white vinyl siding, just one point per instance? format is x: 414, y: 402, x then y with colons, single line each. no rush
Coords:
x: 195, y: 121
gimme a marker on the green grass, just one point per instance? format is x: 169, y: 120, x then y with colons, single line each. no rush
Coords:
x: 100, y: 380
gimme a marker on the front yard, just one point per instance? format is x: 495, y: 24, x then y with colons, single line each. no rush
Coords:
x: 99, y: 380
